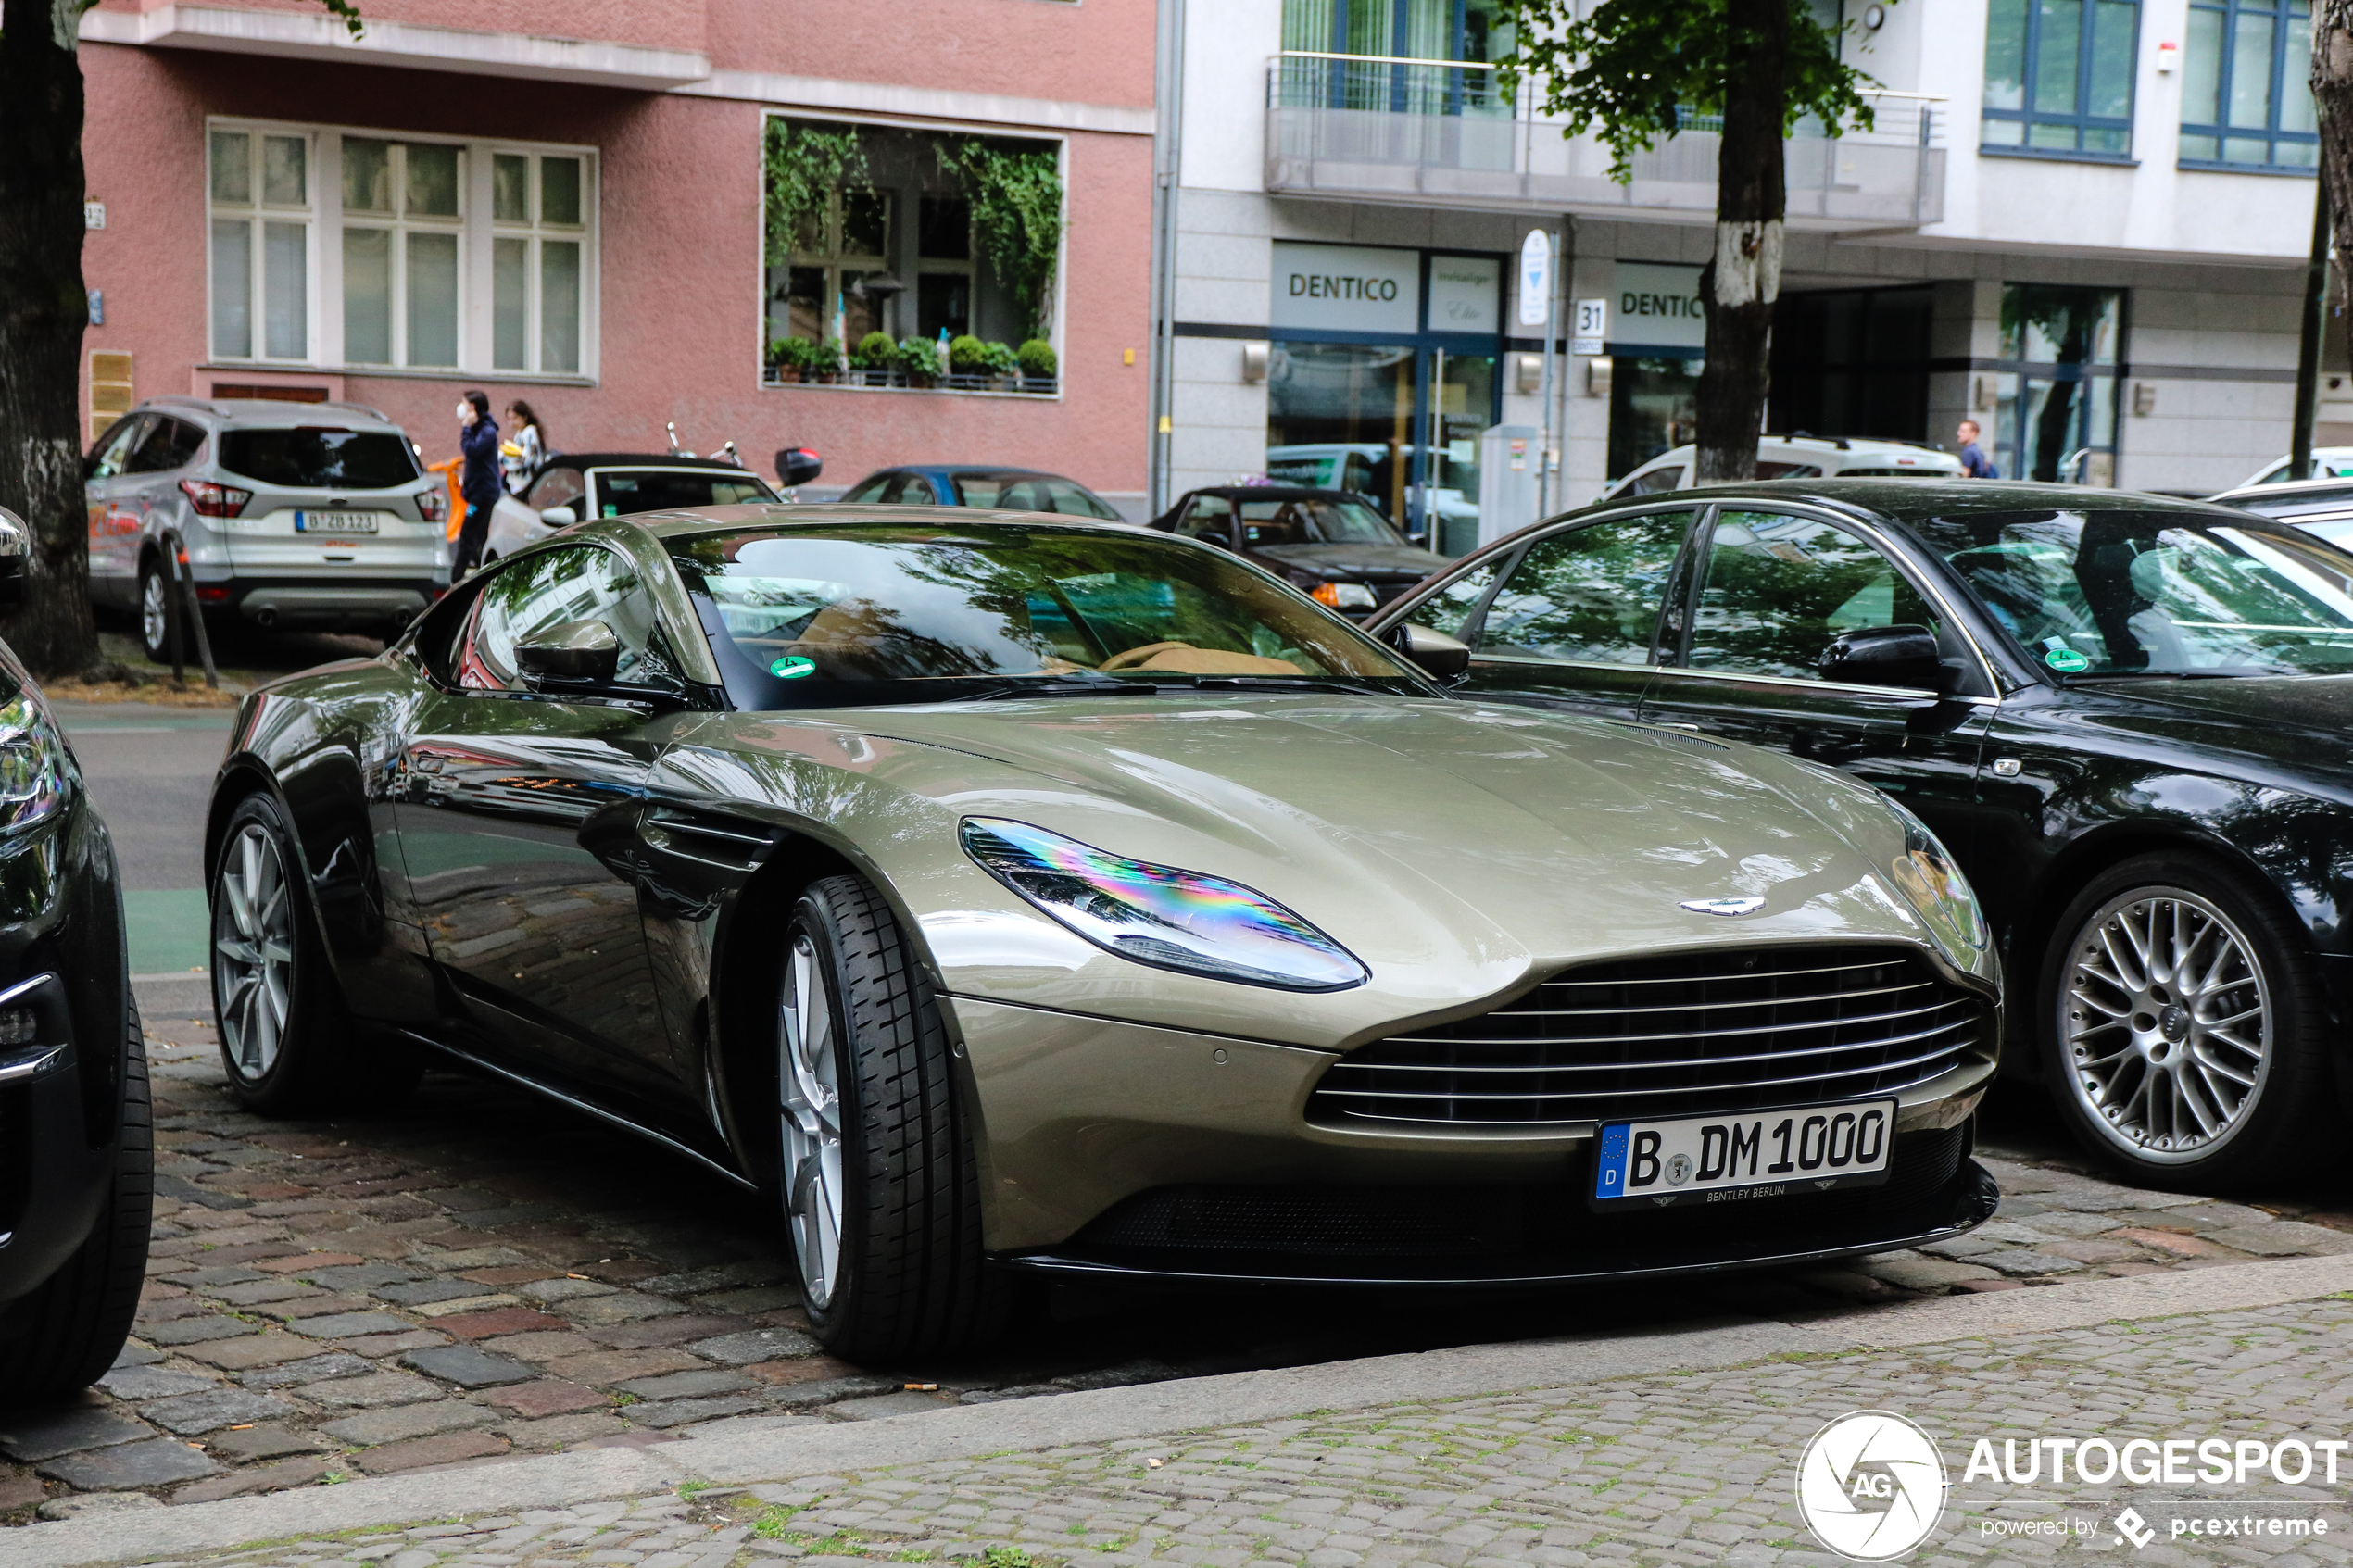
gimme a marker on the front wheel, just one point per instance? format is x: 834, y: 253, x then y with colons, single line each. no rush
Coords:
x: 880, y: 1188
x: 154, y: 612
x: 2187, y: 1035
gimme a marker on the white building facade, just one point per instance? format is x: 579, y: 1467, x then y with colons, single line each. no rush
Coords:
x: 2082, y: 223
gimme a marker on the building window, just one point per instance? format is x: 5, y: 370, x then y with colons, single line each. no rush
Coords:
x: 409, y: 229
x: 539, y: 235
x: 260, y: 244
x: 2247, y: 101
x: 1402, y: 36
x: 2057, y: 381
x: 833, y: 256
x: 2058, y: 76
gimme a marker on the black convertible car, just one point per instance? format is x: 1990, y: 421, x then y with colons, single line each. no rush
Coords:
x: 1330, y: 544
x: 2130, y: 718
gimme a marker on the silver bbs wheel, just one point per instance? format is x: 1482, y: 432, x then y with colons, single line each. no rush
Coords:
x: 252, y: 943
x: 2167, y: 1022
x: 808, y: 1076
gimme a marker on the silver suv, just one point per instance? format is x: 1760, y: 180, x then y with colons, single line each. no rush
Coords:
x: 293, y: 514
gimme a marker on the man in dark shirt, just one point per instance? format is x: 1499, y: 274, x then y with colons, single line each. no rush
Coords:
x: 478, y: 481
x: 1974, y: 462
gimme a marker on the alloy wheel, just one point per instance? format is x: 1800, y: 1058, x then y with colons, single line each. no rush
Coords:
x: 2166, y: 1019
x: 808, y: 1078
x: 252, y: 951
x: 155, y: 620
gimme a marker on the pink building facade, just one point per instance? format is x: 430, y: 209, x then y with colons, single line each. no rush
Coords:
x: 564, y: 202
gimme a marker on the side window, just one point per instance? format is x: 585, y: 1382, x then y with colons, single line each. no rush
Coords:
x: 112, y: 455
x: 584, y: 582
x: 555, y: 487
x: 1590, y: 594
x: 1449, y: 610
x: 908, y: 490
x: 1779, y: 588
x: 167, y: 444
x: 1211, y: 518
x: 1651, y: 484
x: 865, y: 489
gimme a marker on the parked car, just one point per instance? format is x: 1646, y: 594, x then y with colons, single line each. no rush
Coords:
x: 951, y: 485
x: 1799, y: 456
x: 895, y: 870
x: 2129, y: 717
x: 1330, y: 544
x: 79, y: 1150
x: 2320, y: 507
x: 307, y: 514
x: 2328, y: 462
x: 574, y: 486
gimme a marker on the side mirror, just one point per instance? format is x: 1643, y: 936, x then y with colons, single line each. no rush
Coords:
x: 16, y: 556
x: 798, y: 465
x: 1438, y: 654
x: 1886, y: 656
x: 582, y: 651
x: 559, y: 517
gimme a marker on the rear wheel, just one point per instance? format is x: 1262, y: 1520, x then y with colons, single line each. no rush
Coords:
x: 880, y: 1187
x: 154, y: 612
x: 2186, y: 1038
x: 69, y: 1332
x: 288, y: 1042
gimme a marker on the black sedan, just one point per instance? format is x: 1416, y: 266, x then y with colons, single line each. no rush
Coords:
x: 1329, y: 544
x: 2131, y: 719
x: 76, y: 1149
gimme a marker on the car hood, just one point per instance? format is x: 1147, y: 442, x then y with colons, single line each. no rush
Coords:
x: 1459, y: 850
x: 1380, y: 561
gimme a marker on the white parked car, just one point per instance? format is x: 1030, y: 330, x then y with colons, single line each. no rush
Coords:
x: 1801, y: 457
x: 574, y: 486
x: 2328, y: 462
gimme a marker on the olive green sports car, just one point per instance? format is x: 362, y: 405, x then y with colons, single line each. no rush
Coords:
x: 1020, y: 895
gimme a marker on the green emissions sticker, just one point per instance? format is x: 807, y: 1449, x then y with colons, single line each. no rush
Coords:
x: 2066, y: 660
x: 792, y: 666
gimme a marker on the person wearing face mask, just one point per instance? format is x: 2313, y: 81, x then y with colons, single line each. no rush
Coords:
x: 478, y: 481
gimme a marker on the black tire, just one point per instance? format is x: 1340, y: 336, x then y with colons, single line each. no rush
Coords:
x: 151, y: 613
x: 68, y: 1333
x: 2154, y: 1086
x: 286, y: 1039
x: 909, y: 1278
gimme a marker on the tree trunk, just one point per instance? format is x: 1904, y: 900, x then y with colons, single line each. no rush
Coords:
x: 2333, y: 96
x: 1740, y: 286
x: 43, y: 310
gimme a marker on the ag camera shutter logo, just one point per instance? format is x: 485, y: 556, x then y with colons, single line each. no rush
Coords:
x: 1872, y: 1486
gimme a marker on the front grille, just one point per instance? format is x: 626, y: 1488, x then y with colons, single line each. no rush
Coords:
x: 1694, y: 1035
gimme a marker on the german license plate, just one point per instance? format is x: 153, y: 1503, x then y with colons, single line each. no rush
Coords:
x: 1696, y: 1160
x: 336, y: 523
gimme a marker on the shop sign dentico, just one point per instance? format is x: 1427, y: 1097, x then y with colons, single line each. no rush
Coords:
x: 1347, y: 288
x: 1658, y: 306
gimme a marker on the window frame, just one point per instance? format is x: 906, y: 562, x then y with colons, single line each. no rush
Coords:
x: 2080, y: 119
x: 2284, y: 79
x: 258, y: 214
x: 476, y: 228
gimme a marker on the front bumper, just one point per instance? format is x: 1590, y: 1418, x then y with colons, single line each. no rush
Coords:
x: 1112, y: 1148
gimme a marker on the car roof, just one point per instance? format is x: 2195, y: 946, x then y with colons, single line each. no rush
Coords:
x: 639, y: 460
x: 2286, y: 490
x: 1275, y: 492
x: 1904, y: 500
x: 685, y: 520
x: 266, y: 412
x: 1864, y: 445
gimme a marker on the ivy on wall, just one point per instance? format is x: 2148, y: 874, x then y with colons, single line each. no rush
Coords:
x: 1016, y: 196
x: 801, y: 169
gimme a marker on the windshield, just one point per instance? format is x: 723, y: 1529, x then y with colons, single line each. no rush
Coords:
x: 1031, y: 493
x: 1314, y: 520
x: 893, y: 613
x: 622, y: 491
x: 319, y: 458
x: 2147, y: 594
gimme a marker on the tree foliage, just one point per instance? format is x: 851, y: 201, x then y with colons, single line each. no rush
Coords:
x: 801, y: 167
x: 1634, y: 72
x: 1016, y: 198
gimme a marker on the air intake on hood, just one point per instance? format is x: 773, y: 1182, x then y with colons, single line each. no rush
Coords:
x: 1693, y: 1034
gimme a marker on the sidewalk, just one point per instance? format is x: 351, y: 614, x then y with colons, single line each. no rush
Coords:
x: 1653, y: 1448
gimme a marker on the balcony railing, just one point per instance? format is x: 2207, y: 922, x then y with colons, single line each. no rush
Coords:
x: 1450, y: 133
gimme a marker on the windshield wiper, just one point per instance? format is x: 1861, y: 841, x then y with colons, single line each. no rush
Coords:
x: 1072, y: 685
x: 1283, y: 684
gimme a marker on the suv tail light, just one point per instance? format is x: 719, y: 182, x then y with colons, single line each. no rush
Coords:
x: 214, y: 500
x: 433, y: 504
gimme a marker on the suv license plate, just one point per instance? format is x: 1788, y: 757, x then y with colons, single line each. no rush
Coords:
x: 1696, y: 1160
x: 335, y: 522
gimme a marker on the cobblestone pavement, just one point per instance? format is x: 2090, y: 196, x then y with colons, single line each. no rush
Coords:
x: 480, y: 1274
x: 1673, y: 1468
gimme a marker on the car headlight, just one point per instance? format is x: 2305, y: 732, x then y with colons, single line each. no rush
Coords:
x: 1343, y: 595
x: 1159, y: 915
x: 36, y: 770
x: 1935, y: 887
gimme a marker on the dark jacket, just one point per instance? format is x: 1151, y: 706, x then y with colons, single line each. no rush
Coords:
x: 1976, y: 464
x: 479, y: 482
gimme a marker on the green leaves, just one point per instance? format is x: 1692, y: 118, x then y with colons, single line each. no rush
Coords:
x: 801, y: 168
x: 1017, y: 198
x: 1636, y: 71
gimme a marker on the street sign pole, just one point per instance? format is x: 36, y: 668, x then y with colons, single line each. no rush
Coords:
x: 1536, y: 252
